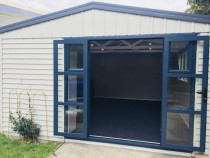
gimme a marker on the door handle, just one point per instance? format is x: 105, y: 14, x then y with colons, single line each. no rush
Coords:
x: 204, y: 93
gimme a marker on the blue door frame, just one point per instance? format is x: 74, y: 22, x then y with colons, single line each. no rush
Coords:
x: 166, y: 74
x: 80, y: 72
x: 204, y: 76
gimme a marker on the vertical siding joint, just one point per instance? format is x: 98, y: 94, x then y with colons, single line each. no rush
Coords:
x: 165, y: 26
x: 116, y: 23
x: 83, y: 14
x: 193, y: 27
x: 179, y: 25
x: 139, y: 24
x: 152, y: 25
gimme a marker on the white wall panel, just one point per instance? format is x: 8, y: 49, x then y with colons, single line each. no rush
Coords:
x: 98, y: 23
x: 186, y: 27
x: 38, y: 30
x: 76, y: 25
x: 146, y: 25
x: 159, y: 25
x: 122, y: 24
x: 110, y: 25
x: 88, y: 23
x: 201, y: 27
x: 134, y: 24
x: 24, y: 76
x: 172, y: 26
x: 64, y: 29
x: 28, y: 41
x: 25, y: 61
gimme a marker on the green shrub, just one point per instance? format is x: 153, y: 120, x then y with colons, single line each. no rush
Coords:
x: 26, y: 127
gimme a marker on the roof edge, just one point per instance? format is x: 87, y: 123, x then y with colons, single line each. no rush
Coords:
x: 108, y: 7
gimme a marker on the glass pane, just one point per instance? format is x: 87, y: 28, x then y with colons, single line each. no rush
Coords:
x: 76, y: 56
x: 75, y: 88
x: 182, y: 93
x: 183, y: 129
x: 179, y: 55
x: 70, y: 119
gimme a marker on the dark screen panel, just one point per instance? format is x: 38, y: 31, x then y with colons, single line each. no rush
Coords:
x: 126, y: 75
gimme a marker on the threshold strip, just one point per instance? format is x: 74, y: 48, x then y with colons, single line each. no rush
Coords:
x: 133, y: 140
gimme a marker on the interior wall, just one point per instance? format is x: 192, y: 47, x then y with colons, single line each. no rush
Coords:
x: 127, y: 75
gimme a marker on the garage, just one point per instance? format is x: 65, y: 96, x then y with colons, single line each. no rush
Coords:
x: 112, y: 74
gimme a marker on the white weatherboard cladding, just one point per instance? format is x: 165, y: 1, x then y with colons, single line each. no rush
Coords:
x: 28, y: 65
x: 1, y: 85
x: 27, y: 56
x: 198, y: 87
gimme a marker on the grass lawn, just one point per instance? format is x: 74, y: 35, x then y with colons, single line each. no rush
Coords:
x: 17, y: 149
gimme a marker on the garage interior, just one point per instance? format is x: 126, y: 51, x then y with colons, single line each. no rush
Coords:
x: 126, y: 89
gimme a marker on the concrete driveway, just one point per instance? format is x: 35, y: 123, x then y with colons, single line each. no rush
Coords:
x: 81, y: 150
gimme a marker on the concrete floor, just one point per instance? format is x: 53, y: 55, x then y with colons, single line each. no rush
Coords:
x: 80, y: 150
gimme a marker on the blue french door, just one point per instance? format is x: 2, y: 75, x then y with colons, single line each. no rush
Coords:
x: 70, y: 87
x: 184, y: 92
